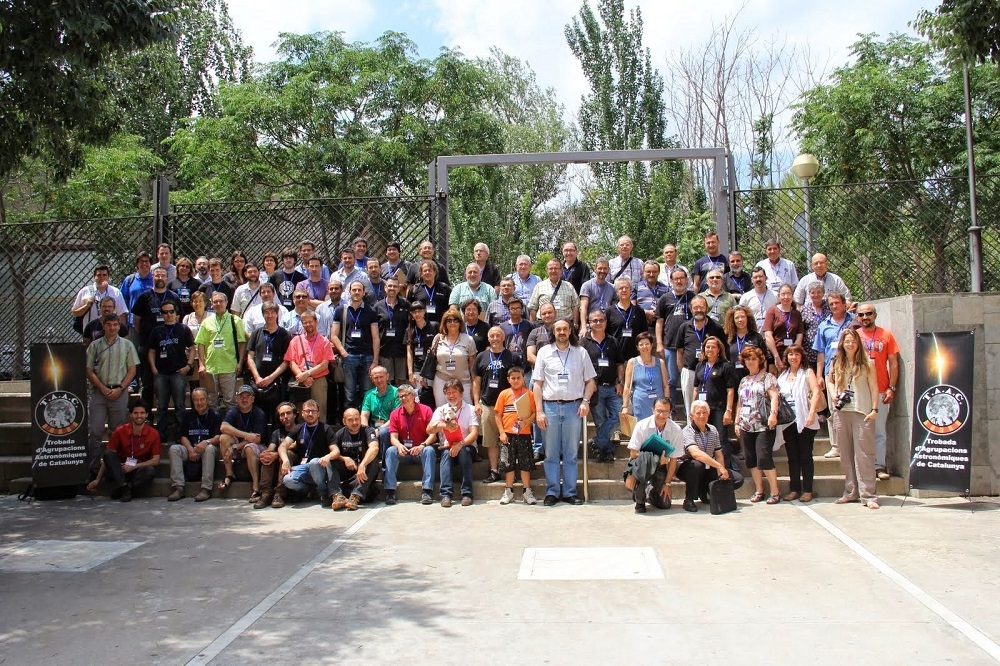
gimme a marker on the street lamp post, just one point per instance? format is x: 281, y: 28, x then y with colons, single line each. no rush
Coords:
x: 805, y: 167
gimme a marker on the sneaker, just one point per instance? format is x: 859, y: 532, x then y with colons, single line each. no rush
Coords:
x: 492, y: 477
x: 390, y: 497
x: 175, y: 496
x: 126, y: 494
x: 689, y: 505
x: 508, y: 496
x: 529, y: 497
x: 338, y: 502
x: 466, y: 500
x: 446, y: 501
x: 426, y: 498
x: 203, y: 495
x: 832, y: 453
x: 353, y: 502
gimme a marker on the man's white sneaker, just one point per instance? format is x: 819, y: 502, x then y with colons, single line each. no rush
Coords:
x: 529, y: 497
x: 508, y: 496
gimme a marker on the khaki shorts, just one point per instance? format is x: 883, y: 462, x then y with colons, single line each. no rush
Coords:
x: 488, y: 428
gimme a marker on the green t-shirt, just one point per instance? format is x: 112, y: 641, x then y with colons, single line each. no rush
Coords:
x: 221, y: 349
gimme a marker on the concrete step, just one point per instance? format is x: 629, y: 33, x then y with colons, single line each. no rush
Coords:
x: 15, y: 438
x: 826, y: 486
x: 15, y: 407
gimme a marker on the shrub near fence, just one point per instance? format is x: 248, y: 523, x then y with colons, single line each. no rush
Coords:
x: 883, y: 239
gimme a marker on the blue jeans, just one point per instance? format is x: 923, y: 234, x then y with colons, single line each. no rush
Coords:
x: 464, y: 460
x: 673, y: 378
x: 384, y: 443
x: 562, y: 437
x: 606, y: 417
x: 306, y: 476
x: 426, y: 459
x: 356, y: 381
x: 538, y: 435
x: 169, y: 387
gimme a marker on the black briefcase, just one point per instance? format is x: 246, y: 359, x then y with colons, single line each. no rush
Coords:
x: 721, y: 496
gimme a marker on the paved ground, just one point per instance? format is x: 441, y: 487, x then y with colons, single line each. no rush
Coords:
x: 224, y: 584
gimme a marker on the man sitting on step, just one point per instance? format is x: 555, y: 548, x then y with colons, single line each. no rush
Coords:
x: 304, y: 456
x: 353, y: 463
x: 270, y: 460
x: 243, y: 431
x: 132, y: 455
x: 193, y: 457
x: 648, y: 473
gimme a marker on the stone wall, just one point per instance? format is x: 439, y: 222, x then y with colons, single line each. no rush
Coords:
x: 904, y: 316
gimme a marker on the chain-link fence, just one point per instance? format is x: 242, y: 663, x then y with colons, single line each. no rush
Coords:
x: 44, y: 264
x: 216, y: 229
x: 883, y: 239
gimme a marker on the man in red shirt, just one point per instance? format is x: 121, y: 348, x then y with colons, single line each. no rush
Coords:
x: 132, y: 455
x: 410, y: 444
x: 883, y: 351
x: 308, y: 356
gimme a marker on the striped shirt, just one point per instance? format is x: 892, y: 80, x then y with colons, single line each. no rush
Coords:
x: 707, y: 441
x: 111, y: 361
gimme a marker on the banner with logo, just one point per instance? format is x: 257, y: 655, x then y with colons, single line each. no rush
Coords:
x: 59, y: 415
x: 941, y: 440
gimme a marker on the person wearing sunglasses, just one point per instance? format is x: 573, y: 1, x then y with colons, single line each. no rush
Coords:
x: 170, y: 356
x: 883, y: 351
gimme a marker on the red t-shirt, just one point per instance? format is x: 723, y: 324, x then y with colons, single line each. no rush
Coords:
x: 127, y: 445
x: 879, y: 345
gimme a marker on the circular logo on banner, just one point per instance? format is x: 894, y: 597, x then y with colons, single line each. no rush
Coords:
x: 59, y: 413
x: 943, y: 409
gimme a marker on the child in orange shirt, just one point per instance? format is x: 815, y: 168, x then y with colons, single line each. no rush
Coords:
x: 516, y: 453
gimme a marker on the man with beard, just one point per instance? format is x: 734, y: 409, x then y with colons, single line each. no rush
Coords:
x: 221, y: 343
x: 300, y: 453
x: 285, y: 278
x: 596, y: 293
x: 244, y: 433
x: 489, y: 378
x: 170, y: 358
x: 266, y: 362
x: 270, y: 460
x: 881, y: 347
x: 131, y: 457
x: 248, y: 293
x: 672, y: 310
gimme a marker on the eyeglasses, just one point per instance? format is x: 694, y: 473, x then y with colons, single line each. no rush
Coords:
x: 404, y: 395
x: 714, y: 277
x: 300, y: 296
x: 598, y: 321
x: 866, y: 314
x: 166, y: 312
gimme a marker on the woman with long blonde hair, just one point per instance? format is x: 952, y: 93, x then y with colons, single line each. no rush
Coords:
x: 854, y: 395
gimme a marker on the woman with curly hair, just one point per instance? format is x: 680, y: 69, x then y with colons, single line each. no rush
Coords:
x: 741, y: 332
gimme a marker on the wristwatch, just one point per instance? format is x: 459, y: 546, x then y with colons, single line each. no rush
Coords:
x: 892, y: 388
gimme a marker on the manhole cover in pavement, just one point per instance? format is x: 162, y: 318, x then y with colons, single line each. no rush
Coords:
x: 73, y: 556
x: 590, y: 564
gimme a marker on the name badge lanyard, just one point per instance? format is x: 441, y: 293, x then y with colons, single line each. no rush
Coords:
x: 565, y: 372
x: 355, y: 318
x: 131, y: 444
x: 307, y: 439
x: 683, y: 302
x: 247, y: 420
x: 787, y: 317
x: 699, y: 334
x: 410, y: 418
x: 471, y: 332
x: 600, y: 346
x: 268, y: 338
x: 868, y: 344
x: 648, y: 369
x: 430, y: 293
x: 496, y: 364
x: 626, y: 314
x: 310, y: 359
x: 198, y: 426
x: 704, y: 376
x: 601, y: 290
x: 388, y: 311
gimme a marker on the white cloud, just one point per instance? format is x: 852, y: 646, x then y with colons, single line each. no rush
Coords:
x: 260, y: 21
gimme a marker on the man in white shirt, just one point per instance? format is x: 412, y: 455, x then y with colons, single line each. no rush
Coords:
x: 760, y: 298
x: 524, y: 279
x: 625, y: 265
x: 254, y: 317
x: 778, y: 270
x: 821, y: 273
x: 648, y: 473
x: 88, y: 299
x: 563, y: 385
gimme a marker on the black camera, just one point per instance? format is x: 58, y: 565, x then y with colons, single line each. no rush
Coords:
x: 843, y: 398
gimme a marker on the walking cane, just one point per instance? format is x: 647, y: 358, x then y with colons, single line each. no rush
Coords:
x: 586, y: 477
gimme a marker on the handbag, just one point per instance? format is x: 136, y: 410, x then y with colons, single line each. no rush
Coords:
x: 721, y: 496
x: 430, y: 366
x: 786, y: 414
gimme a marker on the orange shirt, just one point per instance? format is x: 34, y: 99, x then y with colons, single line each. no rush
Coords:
x: 879, y: 345
x: 506, y: 412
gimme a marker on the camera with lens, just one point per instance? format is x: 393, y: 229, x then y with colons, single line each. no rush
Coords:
x: 843, y: 398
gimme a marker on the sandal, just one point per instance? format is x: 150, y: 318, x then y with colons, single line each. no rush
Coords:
x: 773, y: 499
x: 254, y: 496
x: 757, y: 497
x: 845, y: 500
x: 224, y: 485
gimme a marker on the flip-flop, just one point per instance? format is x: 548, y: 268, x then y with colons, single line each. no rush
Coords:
x: 224, y: 485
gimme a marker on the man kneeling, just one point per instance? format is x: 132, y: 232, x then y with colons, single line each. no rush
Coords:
x: 648, y: 474
x: 703, y: 461
x: 301, y: 452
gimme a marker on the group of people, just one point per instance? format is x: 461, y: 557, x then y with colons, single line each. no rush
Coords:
x: 319, y: 376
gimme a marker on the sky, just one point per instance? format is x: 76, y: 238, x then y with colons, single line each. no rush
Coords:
x: 532, y: 30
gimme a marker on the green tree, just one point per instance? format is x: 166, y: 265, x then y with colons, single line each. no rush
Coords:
x: 54, y: 99
x: 966, y: 30
x: 334, y: 119
x: 161, y: 86
x: 624, y: 110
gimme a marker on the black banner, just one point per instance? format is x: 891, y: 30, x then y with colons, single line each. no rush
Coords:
x: 941, y: 440
x: 59, y: 415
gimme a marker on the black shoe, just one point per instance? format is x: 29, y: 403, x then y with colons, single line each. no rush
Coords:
x: 126, y: 494
x: 390, y: 497
x: 550, y: 500
x: 116, y: 493
x: 574, y: 500
x: 324, y: 501
x: 704, y: 499
x: 493, y: 476
x: 689, y: 505
x: 640, y: 507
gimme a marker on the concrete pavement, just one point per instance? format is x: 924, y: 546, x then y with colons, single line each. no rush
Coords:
x: 769, y: 583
